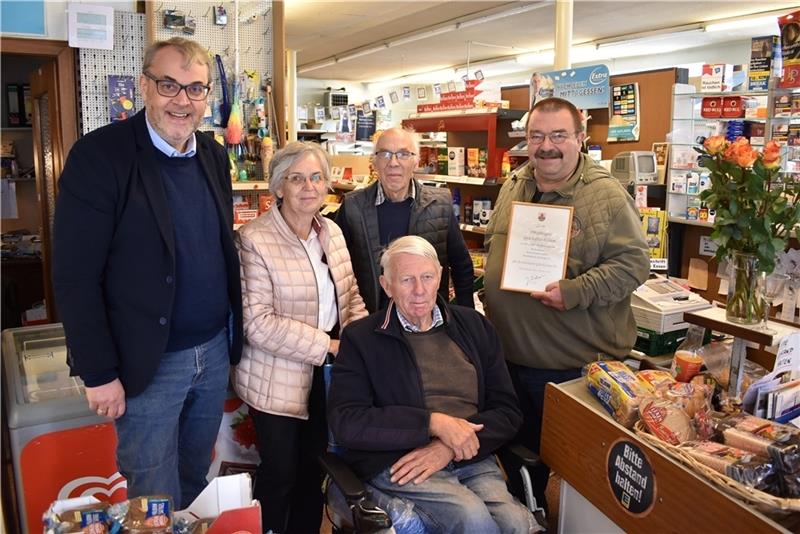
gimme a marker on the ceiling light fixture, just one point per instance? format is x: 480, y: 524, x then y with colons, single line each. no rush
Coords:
x: 741, y: 23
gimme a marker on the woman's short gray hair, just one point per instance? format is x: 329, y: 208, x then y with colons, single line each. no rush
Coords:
x: 410, y: 244
x: 284, y: 158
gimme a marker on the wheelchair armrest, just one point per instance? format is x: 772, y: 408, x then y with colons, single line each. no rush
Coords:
x: 351, y: 487
x: 522, y: 454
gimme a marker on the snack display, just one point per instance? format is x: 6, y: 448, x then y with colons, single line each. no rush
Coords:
x: 740, y: 465
x: 617, y: 389
x: 666, y: 421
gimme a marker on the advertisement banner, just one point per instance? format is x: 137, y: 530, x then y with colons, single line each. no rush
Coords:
x: 585, y: 87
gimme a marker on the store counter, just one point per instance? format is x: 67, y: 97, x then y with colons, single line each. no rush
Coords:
x: 624, y: 480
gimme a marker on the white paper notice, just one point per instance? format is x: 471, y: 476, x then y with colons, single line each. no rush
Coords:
x: 90, y: 26
x: 9, y: 197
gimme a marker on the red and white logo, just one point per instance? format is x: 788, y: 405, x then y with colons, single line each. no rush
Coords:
x: 102, y: 488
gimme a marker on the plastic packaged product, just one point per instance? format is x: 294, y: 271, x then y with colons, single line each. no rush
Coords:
x: 761, y: 436
x: 87, y: 519
x: 740, y: 465
x: 150, y: 514
x: 655, y: 380
x: 666, y: 421
x: 690, y: 398
x: 617, y: 389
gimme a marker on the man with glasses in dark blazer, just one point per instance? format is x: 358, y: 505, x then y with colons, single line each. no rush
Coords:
x: 146, y: 276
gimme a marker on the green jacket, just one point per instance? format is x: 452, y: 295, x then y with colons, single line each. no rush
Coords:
x: 608, y: 259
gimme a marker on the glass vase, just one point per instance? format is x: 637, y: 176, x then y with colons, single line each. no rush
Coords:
x: 744, y: 301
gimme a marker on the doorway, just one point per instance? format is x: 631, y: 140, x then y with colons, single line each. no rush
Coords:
x: 42, y: 133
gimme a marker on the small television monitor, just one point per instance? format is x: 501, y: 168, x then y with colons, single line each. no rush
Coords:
x: 635, y: 167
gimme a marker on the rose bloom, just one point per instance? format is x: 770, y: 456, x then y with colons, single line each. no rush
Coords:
x: 741, y: 153
x: 772, y: 155
x: 715, y: 144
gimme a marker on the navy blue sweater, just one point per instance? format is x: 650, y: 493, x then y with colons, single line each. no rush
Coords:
x: 201, y: 305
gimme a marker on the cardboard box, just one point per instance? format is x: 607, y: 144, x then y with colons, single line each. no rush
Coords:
x: 732, y: 107
x: 716, y: 78
x: 455, y: 161
x: 711, y: 107
x: 229, y: 499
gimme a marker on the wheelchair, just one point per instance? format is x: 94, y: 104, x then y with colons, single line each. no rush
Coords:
x: 358, y: 513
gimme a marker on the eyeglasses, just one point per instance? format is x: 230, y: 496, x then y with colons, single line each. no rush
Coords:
x: 537, y: 138
x: 297, y: 178
x: 171, y: 88
x: 402, y: 155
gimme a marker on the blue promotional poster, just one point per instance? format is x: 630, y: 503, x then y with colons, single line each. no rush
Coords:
x: 585, y: 87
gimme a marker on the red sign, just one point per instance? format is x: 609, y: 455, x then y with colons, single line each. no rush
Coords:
x: 70, y: 463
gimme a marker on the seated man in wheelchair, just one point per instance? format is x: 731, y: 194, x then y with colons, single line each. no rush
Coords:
x: 420, y: 399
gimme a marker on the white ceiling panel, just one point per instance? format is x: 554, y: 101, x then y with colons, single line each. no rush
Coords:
x: 328, y: 32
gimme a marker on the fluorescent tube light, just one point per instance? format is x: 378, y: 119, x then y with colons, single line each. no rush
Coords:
x: 741, y: 23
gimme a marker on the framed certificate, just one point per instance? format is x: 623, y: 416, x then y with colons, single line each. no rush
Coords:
x: 537, y: 247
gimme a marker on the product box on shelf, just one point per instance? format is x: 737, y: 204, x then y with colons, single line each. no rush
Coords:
x: 711, y: 107
x: 476, y: 162
x: 732, y: 107
x: 764, y: 62
x: 441, y: 160
x: 455, y: 161
x: 716, y: 78
x: 790, y: 49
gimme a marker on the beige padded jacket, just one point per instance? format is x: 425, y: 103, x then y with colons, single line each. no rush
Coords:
x: 280, y: 303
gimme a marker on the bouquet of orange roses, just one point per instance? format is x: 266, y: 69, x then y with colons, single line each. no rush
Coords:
x: 755, y: 211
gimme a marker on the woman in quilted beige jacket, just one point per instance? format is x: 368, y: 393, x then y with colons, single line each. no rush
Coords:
x: 298, y: 290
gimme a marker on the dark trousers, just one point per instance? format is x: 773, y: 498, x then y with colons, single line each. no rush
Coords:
x: 289, y: 478
x: 529, y: 383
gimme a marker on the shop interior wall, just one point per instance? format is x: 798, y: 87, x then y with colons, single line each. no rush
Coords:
x: 15, y: 70
x: 56, y: 20
x: 655, y: 110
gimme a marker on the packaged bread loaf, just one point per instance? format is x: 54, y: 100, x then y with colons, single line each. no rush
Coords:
x: 691, y: 397
x: 617, y: 389
x: 655, y: 380
x: 666, y: 421
x: 779, y: 442
x: 740, y: 465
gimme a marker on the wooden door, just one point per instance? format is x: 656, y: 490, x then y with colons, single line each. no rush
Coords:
x: 48, y: 160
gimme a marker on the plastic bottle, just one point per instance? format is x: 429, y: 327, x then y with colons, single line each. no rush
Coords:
x: 686, y: 362
x: 457, y: 203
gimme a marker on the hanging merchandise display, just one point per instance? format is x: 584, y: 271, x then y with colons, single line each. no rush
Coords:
x: 624, y: 112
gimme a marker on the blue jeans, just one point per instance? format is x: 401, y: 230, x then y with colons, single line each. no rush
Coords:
x: 167, y: 434
x: 529, y: 383
x: 460, y: 499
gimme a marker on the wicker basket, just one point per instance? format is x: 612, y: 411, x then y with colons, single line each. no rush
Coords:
x: 765, y: 502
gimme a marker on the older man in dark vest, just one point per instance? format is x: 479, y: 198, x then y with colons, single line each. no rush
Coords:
x: 395, y: 206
